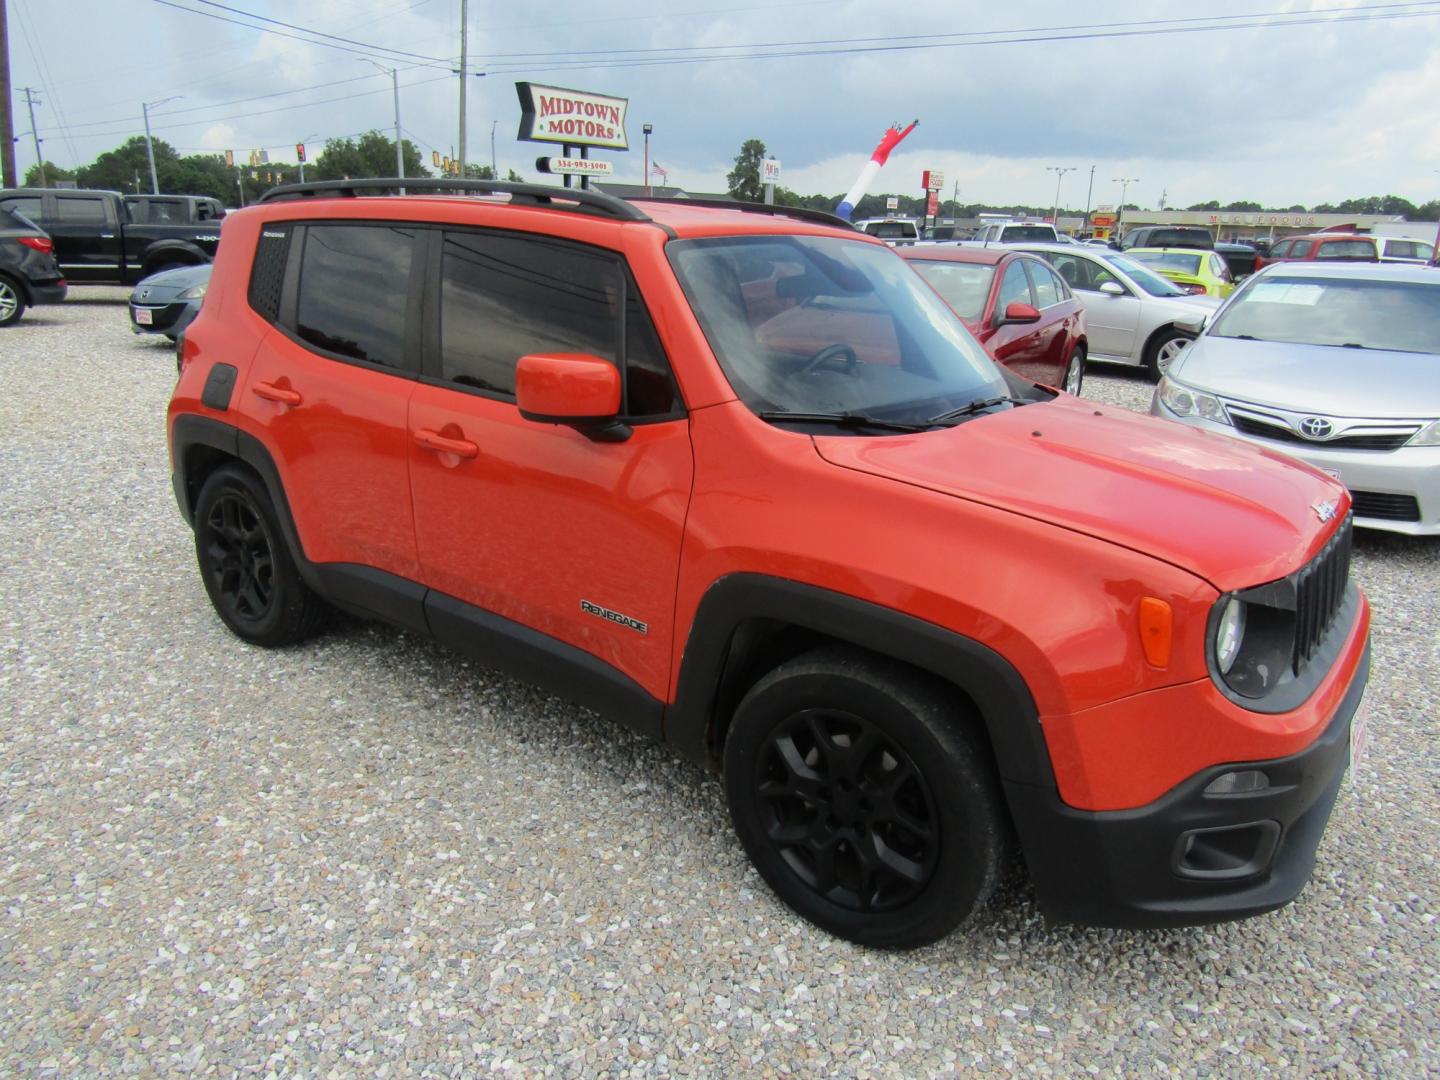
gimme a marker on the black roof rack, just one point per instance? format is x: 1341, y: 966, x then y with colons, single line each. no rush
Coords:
x: 803, y: 213
x: 594, y: 202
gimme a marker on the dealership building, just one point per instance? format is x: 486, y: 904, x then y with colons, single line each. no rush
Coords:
x: 1242, y: 225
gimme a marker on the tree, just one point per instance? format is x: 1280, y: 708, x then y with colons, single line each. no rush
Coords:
x: 371, y: 155
x: 1213, y: 204
x: 118, y: 169
x: 1244, y: 205
x: 53, y: 172
x: 744, y: 179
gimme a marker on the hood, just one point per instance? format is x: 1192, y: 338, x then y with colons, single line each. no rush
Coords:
x: 181, y: 278
x: 1234, y: 514
x: 1315, y: 378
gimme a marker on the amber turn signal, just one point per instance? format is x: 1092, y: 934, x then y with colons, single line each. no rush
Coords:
x: 1156, y: 628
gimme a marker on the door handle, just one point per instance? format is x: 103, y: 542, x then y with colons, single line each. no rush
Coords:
x: 433, y: 440
x: 271, y: 392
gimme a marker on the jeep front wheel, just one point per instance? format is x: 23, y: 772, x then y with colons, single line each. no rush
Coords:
x: 864, y: 798
x: 247, y: 569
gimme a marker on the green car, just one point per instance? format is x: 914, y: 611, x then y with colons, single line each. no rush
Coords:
x: 1200, y: 273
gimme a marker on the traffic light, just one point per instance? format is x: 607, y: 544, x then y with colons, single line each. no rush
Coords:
x: 300, y: 152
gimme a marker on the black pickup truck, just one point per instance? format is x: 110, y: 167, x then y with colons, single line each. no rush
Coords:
x: 99, y: 242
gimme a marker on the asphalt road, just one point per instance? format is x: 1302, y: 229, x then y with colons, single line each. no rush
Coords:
x: 364, y: 856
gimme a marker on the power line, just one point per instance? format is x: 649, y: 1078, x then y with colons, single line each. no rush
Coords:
x: 367, y: 51
x: 306, y: 30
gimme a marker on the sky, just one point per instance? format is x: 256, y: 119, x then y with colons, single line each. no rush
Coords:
x: 1293, y: 101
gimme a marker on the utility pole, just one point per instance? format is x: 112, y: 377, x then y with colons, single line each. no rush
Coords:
x: 464, y: 23
x: 1059, y: 172
x: 1089, y: 192
x: 145, y: 107
x: 494, y: 168
x: 35, y: 133
x: 955, y: 203
x: 394, y: 74
x: 7, y: 117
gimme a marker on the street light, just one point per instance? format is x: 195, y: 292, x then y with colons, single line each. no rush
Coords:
x: 1059, y: 172
x: 494, y: 169
x: 647, y: 129
x: 145, y: 107
x: 1124, y: 182
x: 395, y: 84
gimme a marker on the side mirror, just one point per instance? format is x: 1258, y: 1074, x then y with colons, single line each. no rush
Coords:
x: 574, y: 389
x: 1112, y: 288
x: 1019, y: 313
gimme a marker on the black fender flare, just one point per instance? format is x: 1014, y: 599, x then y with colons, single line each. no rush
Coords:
x: 1000, y: 694
x: 182, y: 251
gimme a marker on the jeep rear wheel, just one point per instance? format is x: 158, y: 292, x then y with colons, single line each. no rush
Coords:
x: 864, y: 798
x: 249, y: 575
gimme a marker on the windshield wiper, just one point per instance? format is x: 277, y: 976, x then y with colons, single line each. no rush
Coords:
x: 841, y: 419
x: 979, y: 405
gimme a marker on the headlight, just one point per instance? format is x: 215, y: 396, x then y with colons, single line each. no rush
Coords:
x: 1183, y: 401
x: 1229, y: 634
x: 195, y: 292
x: 1429, y: 435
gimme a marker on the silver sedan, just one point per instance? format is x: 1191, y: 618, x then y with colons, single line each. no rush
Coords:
x: 1132, y: 314
x: 1338, y: 365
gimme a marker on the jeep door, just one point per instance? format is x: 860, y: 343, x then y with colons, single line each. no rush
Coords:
x: 330, y: 384
x: 540, y: 524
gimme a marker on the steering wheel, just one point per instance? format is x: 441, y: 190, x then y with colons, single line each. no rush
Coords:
x: 831, y: 352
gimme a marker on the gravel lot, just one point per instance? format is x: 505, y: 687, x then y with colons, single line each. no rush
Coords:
x: 366, y: 857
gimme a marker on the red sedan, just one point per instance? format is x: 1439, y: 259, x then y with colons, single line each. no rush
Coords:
x: 1019, y: 308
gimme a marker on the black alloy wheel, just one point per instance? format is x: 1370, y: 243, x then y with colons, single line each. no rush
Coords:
x: 866, y: 797
x: 847, y: 809
x: 246, y: 566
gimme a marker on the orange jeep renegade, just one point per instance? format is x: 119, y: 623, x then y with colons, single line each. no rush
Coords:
x: 736, y: 477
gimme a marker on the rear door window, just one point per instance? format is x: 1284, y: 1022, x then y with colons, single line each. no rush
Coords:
x: 354, y: 288
x: 79, y: 210
x: 1346, y: 249
x: 29, y: 205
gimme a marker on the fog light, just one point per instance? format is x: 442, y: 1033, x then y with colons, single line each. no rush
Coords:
x: 1238, y: 783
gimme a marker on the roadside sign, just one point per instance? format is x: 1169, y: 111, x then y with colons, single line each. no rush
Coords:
x: 770, y: 171
x: 572, y: 117
x: 932, y: 180
x: 892, y: 202
x: 563, y: 166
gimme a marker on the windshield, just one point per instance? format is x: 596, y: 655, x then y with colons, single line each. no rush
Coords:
x: 964, y: 286
x: 1027, y: 234
x: 1178, y: 261
x: 826, y: 324
x: 1147, y: 279
x: 1399, y: 315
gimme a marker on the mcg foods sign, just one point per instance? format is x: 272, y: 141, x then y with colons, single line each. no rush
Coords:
x: 553, y: 114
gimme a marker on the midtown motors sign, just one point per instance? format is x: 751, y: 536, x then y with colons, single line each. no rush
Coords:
x: 572, y: 117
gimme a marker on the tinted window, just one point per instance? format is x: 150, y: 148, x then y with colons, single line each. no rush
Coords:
x: 1047, y: 293
x: 80, y: 211
x: 354, y: 281
x: 502, y: 297
x: 1346, y: 249
x: 1028, y: 234
x: 1014, y: 288
x: 29, y: 205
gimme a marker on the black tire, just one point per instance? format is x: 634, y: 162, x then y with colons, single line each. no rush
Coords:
x: 12, y: 301
x: 1075, y: 371
x: 865, y: 798
x: 246, y: 565
x: 1162, y: 343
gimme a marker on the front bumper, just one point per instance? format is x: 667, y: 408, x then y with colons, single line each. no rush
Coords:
x: 1394, y: 490
x: 169, y: 319
x: 1189, y: 858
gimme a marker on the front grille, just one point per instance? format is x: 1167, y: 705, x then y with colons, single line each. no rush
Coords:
x: 1319, y: 593
x: 1377, y: 504
x: 1278, y: 432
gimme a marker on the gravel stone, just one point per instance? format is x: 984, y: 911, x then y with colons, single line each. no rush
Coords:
x: 367, y: 857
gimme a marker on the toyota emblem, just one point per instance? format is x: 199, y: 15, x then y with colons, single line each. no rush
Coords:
x: 1316, y: 427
